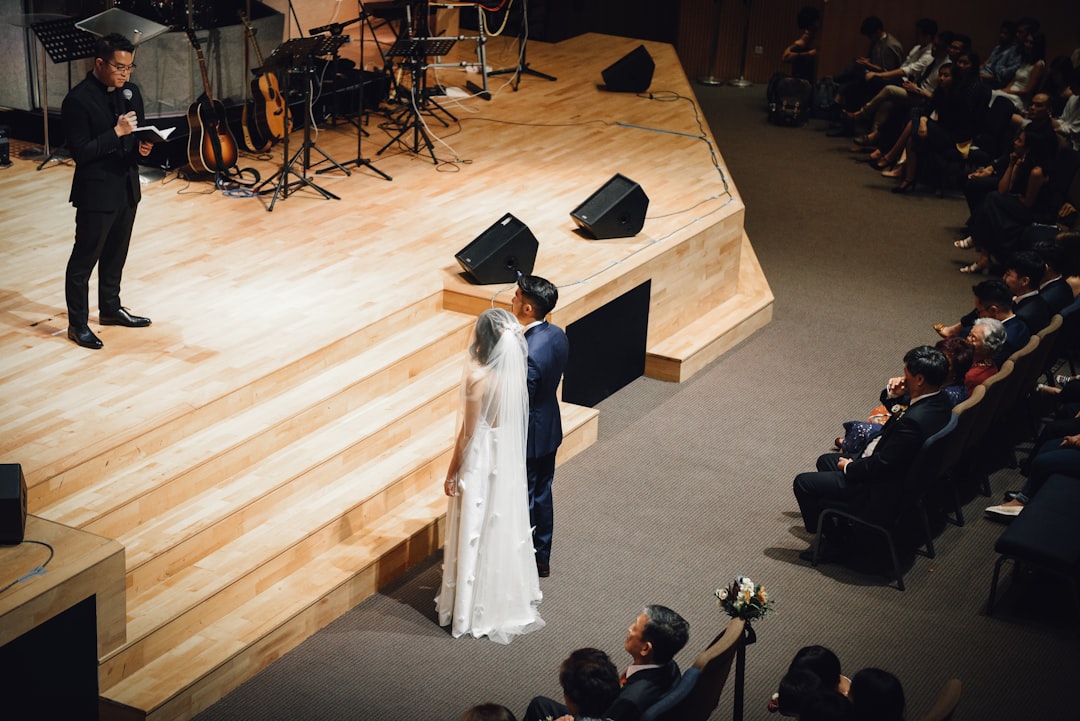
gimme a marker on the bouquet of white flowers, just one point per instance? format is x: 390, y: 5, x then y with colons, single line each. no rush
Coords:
x: 744, y: 599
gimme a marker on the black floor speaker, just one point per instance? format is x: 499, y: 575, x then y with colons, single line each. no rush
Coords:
x: 616, y: 210
x: 631, y: 73
x: 12, y: 504
x: 499, y: 253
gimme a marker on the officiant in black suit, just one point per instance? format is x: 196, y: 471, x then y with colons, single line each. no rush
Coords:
x: 878, y: 474
x: 99, y: 115
x: 534, y: 298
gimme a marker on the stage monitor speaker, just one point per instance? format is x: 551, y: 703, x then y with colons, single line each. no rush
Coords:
x: 616, y: 210
x: 630, y: 74
x: 499, y: 253
x: 12, y: 504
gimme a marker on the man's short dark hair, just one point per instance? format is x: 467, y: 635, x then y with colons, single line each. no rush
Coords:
x: 926, y: 27
x: 590, y: 681
x: 993, y: 292
x: 107, y: 46
x: 541, y: 292
x: 928, y: 362
x: 871, y: 26
x: 666, y: 630
x: 1027, y: 264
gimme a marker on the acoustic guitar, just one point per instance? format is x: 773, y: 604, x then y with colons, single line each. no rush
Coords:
x: 211, y: 146
x: 268, y: 119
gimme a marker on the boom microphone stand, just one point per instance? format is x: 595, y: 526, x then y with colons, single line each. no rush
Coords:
x: 360, y: 160
x: 522, y: 68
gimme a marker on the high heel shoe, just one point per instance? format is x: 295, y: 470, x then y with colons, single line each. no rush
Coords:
x: 964, y: 243
x: 905, y: 187
x: 974, y: 268
x: 881, y: 163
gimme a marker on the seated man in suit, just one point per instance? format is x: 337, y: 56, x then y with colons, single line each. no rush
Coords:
x: 1023, y: 273
x: 657, y: 634
x: 877, y: 475
x: 1053, y: 288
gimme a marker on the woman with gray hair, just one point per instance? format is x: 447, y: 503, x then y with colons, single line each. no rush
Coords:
x: 986, y: 337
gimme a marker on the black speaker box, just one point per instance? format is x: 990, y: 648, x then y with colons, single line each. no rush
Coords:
x: 631, y: 73
x: 616, y: 210
x: 499, y: 253
x: 12, y: 504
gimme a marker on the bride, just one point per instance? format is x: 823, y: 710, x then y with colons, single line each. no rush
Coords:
x: 490, y: 585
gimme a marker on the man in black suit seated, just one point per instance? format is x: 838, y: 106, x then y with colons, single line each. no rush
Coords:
x: 656, y: 635
x: 1053, y: 288
x: 876, y: 477
x: 1023, y: 273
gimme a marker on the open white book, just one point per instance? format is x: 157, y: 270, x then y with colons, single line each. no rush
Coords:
x: 152, y: 134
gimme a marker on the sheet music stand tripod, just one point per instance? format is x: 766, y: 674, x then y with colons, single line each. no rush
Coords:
x: 63, y: 42
x: 297, y: 55
x: 415, y: 52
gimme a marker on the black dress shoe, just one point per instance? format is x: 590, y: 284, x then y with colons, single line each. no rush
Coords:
x: 84, y: 337
x: 124, y: 318
x: 543, y: 569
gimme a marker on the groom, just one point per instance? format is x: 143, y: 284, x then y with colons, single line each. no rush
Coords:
x: 534, y: 298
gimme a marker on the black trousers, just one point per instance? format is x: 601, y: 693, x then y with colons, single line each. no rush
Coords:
x: 101, y: 239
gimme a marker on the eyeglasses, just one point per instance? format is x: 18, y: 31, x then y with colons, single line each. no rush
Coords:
x: 122, y: 68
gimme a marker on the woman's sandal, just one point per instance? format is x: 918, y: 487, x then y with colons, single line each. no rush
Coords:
x: 964, y: 243
x: 881, y: 163
x: 973, y: 268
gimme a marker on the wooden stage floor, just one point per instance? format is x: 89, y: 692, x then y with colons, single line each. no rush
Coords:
x: 240, y: 296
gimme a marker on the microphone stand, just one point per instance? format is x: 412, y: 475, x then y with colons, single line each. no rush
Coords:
x: 522, y: 68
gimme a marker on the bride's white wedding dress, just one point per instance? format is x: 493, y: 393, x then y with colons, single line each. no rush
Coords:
x: 490, y: 585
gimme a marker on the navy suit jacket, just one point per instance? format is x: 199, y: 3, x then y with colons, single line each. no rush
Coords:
x: 548, y: 349
x: 1017, y: 335
x: 1035, y: 312
x: 1057, y: 294
x: 106, y: 167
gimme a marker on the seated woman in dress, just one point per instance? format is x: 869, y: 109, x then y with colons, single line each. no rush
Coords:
x: 998, y: 224
x: 877, y: 696
x: 986, y: 337
x: 1028, y: 78
x: 812, y: 669
x: 954, y: 114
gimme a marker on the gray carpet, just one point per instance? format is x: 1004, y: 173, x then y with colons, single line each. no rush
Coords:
x: 691, y: 484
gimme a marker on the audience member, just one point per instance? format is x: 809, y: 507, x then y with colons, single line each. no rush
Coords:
x: 875, y: 478
x: 812, y: 669
x: 652, y: 641
x: 825, y: 705
x: 802, y: 54
x: 1067, y: 125
x: 1058, y: 455
x: 877, y: 695
x: 1001, y: 63
x: 1023, y: 272
x: 1053, y: 287
x: 986, y: 337
x: 1028, y: 77
x: 489, y: 712
x: 885, y: 53
x: 998, y: 224
x: 590, y: 683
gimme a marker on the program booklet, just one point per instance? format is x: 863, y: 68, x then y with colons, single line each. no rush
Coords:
x: 152, y: 134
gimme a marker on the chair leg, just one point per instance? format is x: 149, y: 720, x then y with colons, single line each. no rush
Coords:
x: 895, y: 561
x: 958, y: 510
x: 926, y: 533
x: 994, y: 584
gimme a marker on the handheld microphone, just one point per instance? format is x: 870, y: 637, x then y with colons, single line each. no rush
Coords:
x: 126, y: 92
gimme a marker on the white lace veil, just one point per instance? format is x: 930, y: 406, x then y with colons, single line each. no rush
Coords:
x: 497, y: 362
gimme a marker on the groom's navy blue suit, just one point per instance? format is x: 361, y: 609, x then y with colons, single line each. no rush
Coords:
x: 548, y: 349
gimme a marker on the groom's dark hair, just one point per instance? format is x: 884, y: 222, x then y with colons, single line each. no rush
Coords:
x: 541, y: 292
x: 666, y: 630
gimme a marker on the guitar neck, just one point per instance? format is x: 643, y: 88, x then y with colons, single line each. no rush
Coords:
x: 202, y: 64
x: 251, y: 36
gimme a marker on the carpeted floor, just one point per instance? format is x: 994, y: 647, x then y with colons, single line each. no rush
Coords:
x: 691, y: 484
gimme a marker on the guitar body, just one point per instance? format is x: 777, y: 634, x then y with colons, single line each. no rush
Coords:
x: 254, y: 140
x: 271, y: 114
x: 211, y: 145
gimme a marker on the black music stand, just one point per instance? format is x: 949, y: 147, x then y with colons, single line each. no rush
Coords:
x: 359, y: 160
x: 297, y: 56
x: 415, y: 51
x: 63, y: 42
x: 522, y: 68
